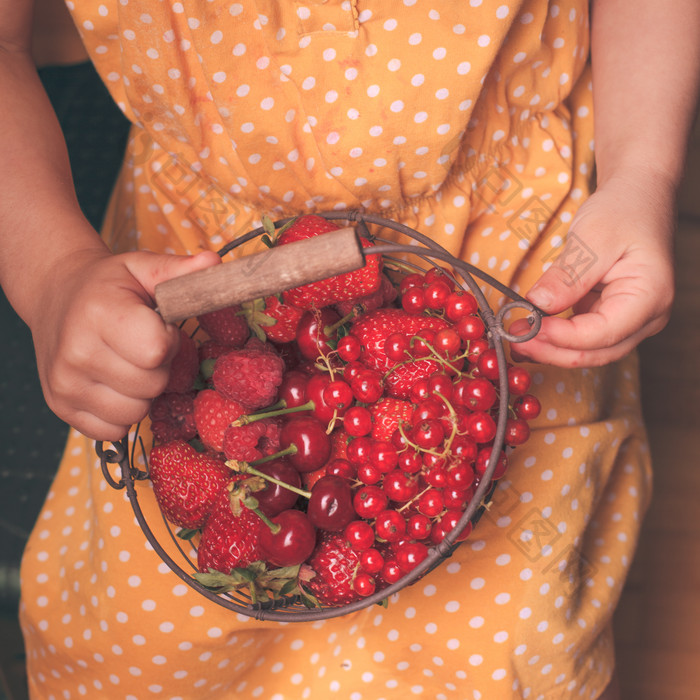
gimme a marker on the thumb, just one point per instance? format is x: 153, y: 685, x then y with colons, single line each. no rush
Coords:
x: 575, y: 271
x: 150, y: 269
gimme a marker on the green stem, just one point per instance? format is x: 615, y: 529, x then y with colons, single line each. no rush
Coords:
x: 291, y: 450
x: 329, y: 330
x: 247, y: 468
x: 244, y: 420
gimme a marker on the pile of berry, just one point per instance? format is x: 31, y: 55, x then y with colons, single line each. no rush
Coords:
x: 319, y: 442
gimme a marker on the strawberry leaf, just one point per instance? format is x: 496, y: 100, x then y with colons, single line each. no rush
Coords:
x: 186, y: 533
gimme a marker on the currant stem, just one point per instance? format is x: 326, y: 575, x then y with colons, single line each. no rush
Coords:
x: 329, y: 330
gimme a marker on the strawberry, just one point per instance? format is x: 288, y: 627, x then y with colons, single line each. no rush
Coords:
x: 172, y: 417
x: 227, y: 326
x: 231, y: 535
x: 183, y: 367
x: 383, y: 296
x: 350, y: 285
x: 186, y: 483
x: 373, y: 328
x: 286, y: 319
x: 213, y: 414
x: 387, y: 413
x: 335, y: 564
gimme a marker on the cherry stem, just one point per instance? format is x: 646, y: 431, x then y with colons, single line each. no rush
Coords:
x: 329, y: 330
x: 283, y: 411
x: 248, y: 468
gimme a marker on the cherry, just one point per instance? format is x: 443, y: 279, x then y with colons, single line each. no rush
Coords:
x: 413, y: 301
x: 309, y: 445
x: 289, y: 540
x: 527, y: 407
x: 314, y: 333
x: 330, y: 506
x: 357, y: 421
x: 316, y: 391
x: 360, y: 535
x: 369, y: 501
x: 275, y: 498
x: 460, y: 304
x: 292, y: 390
x: 390, y: 525
x: 470, y: 327
x: 364, y: 584
x: 371, y: 560
x: 349, y: 348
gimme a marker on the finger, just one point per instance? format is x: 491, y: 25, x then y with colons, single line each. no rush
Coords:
x: 150, y: 268
x: 110, y: 407
x: 576, y: 270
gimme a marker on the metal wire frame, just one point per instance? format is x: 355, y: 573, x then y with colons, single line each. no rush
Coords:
x: 291, y: 609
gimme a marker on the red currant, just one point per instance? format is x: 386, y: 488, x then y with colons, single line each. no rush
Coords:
x: 400, y: 487
x: 367, y: 386
x: 359, y: 534
x: 470, y: 327
x: 357, y: 421
x: 410, y: 554
x: 367, y: 473
x: 481, y: 426
x: 413, y: 280
x: 488, y: 364
x: 428, y: 433
x: 413, y: 301
x: 364, y: 584
x: 527, y: 407
x: 349, y: 348
x: 460, y: 304
x: 390, y: 525
x: 517, y: 431
x: 371, y: 560
x: 383, y: 455
x: 338, y: 394
x: 418, y: 526
x: 519, y: 380
x: 397, y: 346
x: 431, y: 502
x: 436, y: 295
x: 369, y: 501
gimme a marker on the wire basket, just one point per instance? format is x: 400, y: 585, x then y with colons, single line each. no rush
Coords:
x: 130, y: 451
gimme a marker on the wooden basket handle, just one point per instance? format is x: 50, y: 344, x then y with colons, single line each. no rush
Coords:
x: 258, y: 275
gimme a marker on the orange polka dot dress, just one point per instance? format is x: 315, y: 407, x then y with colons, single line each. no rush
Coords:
x: 469, y: 120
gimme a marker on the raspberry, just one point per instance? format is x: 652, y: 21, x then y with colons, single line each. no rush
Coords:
x: 213, y: 415
x: 227, y: 326
x: 246, y: 443
x: 172, y: 417
x: 249, y: 376
x: 184, y: 366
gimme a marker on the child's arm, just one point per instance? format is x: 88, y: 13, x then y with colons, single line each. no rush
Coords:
x: 646, y: 70
x: 102, y: 352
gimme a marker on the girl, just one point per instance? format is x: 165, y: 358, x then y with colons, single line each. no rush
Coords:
x: 470, y: 121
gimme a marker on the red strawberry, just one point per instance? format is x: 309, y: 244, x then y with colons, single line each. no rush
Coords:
x: 383, y: 296
x: 286, y: 319
x: 387, y: 413
x: 335, y: 564
x: 172, y: 417
x: 213, y: 414
x: 373, y: 328
x: 350, y: 285
x: 183, y: 367
x: 186, y: 483
x: 231, y: 536
x: 227, y: 326
x: 249, y: 376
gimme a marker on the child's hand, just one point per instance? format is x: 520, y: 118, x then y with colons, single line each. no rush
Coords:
x: 615, y: 270
x: 102, y: 351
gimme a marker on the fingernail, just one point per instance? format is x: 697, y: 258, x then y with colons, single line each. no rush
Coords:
x: 540, y: 296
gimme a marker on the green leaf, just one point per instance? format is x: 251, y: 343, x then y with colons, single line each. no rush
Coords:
x: 186, y: 533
